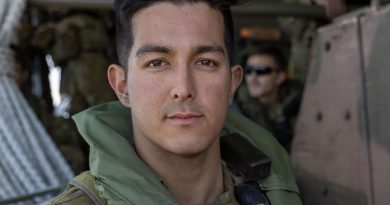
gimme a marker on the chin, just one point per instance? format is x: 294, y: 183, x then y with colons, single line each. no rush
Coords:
x: 255, y: 94
x: 188, y: 153
x: 190, y: 147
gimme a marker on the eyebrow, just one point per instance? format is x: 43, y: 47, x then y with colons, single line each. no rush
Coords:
x: 152, y: 49
x: 209, y: 48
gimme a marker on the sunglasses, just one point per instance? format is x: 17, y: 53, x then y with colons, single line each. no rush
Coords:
x: 259, y: 70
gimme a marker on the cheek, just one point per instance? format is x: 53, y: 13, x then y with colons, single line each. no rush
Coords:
x: 247, y: 78
x: 255, y: 81
x: 265, y: 80
x: 217, y: 93
x: 145, y: 93
x: 269, y: 81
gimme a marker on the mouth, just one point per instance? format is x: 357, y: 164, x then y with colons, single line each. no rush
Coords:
x: 184, y: 119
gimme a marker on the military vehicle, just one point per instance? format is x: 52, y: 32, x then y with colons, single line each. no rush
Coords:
x: 341, y: 151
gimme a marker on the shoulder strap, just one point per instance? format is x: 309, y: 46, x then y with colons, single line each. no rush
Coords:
x: 86, y: 183
x: 244, y: 159
x: 250, y: 193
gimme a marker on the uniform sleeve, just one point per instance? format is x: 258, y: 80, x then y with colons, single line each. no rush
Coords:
x: 71, y: 196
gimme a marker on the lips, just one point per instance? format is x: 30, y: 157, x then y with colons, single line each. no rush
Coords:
x: 184, y: 118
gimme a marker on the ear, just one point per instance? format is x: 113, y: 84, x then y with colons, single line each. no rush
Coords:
x: 117, y: 79
x: 236, y: 77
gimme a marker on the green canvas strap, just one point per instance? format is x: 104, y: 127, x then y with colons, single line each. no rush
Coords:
x: 85, y: 182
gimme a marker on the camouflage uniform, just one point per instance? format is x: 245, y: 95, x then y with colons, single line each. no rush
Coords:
x: 81, y: 46
x: 279, y: 118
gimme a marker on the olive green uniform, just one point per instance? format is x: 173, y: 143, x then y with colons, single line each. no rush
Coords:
x: 121, y: 177
x: 278, y: 118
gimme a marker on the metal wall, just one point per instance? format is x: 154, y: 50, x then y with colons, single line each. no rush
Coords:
x: 341, y: 150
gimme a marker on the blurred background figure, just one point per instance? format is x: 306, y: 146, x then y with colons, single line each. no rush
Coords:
x: 79, y: 47
x: 268, y: 97
x: 302, y: 31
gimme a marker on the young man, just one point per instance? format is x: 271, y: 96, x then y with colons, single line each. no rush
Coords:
x: 269, y: 98
x: 176, y: 77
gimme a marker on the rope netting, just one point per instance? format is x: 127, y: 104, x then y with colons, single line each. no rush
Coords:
x: 29, y: 160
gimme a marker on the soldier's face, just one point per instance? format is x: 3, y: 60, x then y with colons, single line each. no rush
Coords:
x: 179, y: 80
x: 265, y: 84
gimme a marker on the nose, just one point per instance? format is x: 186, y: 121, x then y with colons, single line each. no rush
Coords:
x: 183, y: 85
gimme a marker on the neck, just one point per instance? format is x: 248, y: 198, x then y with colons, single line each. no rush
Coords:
x: 194, y: 179
x: 270, y: 98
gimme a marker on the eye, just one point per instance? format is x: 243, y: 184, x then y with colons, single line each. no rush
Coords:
x: 207, y: 63
x: 156, y: 63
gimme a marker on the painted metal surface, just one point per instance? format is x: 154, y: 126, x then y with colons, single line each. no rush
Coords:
x: 341, y: 150
x: 376, y: 30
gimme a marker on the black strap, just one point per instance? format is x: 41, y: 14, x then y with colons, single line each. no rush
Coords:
x: 244, y: 159
x: 250, y: 194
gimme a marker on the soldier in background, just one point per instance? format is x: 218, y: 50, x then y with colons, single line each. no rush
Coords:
x: 269, y: 98
x: 80, y: 45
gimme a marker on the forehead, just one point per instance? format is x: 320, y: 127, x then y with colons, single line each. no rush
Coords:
x: 261, y: 59
x: 179, y: 24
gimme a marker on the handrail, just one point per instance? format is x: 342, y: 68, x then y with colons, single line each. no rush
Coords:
x: 30, y: 196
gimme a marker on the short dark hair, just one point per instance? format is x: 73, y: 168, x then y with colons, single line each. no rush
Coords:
x: 271, y: 50
x: 125, y: 10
